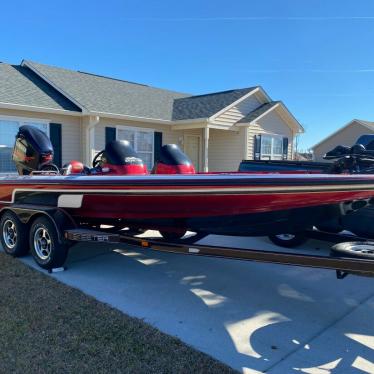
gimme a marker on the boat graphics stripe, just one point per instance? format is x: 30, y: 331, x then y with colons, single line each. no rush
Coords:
x: 196, y: 191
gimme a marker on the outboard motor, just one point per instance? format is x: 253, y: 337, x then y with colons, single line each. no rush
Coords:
x: 120, y: 158
x: 32, y: 151
x: 173, y: 161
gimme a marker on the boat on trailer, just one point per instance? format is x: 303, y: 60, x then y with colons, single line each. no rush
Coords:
x: 43, y: 201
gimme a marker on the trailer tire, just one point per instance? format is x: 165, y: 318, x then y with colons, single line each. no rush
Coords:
x: 14, y: 235
x: 288, y: 240
x: 46, y: 248
x: 354, y: 249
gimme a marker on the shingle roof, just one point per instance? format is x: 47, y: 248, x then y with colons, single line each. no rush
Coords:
x: 19, y: 85
x: 101, y: 94
x: 257, y: 112
x: 204, y: 106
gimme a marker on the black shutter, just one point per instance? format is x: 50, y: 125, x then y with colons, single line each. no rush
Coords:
x: 55, y: 136
x: 285, y: 148
x: 257, y: 147
x: 110, y: 134
x: 157, y: 145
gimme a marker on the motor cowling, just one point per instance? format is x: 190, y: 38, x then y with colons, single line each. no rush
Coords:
x: 33, y: 151
x: 121, y: 159
x: 173, y: 161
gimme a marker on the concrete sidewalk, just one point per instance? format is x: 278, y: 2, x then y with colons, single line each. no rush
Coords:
x: 254, y: 317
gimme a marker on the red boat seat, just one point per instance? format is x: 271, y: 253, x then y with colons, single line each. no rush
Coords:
x: 173, y: 161
x: 75, y: 167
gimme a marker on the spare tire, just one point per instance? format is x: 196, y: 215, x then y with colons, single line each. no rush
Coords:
x: 354, y: 249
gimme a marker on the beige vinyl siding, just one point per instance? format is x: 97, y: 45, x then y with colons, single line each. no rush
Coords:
x: 346, y: 136
x: 237, y: 112
x: 72, y: 148
x: 226, y: 149
x: 270, y: 124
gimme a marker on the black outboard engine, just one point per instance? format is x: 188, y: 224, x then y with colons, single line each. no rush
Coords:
x: 173, y: 161
x: 32, y: 151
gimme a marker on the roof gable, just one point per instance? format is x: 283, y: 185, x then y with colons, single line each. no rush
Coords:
x: 205, y: 106
x: 102, y: 95
x: 252, y: 116
x: 367, y: 124
x: 20, y: 86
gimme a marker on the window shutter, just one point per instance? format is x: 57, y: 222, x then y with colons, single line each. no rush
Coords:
x: 285, y: 148
x: 257, y: 147
x: 157, y: 144
x: 55, y: 136
x: 110, y: 134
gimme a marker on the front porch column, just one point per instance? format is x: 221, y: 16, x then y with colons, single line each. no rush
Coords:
x: 89, y: 135
x: 206, y: 150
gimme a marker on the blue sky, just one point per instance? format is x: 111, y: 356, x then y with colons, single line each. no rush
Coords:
x: 315, y: 55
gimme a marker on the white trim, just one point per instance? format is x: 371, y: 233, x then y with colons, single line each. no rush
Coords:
x: 36, y: 71
x: 137, y: 129
x: 246, y: 144
x: 281, y: 106
x: 185, y: 136
x: 31, y: 108
x: 210, y: 190
x: 272, y: 154
x: 25, y: 119
x: 131, y: 118
x: 225, y: 109
x: 264, y: 113
x: 343, y: 128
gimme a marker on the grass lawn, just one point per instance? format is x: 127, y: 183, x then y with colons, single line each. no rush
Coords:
x: 46, y: 326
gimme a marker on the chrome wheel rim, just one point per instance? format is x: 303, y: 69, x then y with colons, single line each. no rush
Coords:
x: 285, y: 236
x: 367, y: 249
x: 10, y: 234
x: 42, y: 243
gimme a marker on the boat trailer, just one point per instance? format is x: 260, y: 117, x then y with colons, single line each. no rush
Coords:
x: 49, y: 232
x: 189, y: 246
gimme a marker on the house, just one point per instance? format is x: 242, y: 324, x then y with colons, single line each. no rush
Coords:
x: 346, y: 135
x: 82, y: 111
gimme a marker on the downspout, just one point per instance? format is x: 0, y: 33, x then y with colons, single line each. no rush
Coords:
x: 90, y: 138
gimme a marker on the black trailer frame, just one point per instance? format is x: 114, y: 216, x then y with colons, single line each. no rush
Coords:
x: 188, y: 246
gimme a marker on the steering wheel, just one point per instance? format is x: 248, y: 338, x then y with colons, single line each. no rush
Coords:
x: 51, y: 167
x: 96, y: 161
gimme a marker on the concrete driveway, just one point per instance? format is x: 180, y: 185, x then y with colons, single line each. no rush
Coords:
x: 254, y: 317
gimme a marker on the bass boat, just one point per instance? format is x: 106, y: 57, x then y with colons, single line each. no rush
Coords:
x: 173, y: 198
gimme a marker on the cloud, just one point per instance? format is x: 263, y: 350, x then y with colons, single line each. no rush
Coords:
x: 253, y: 18
x: 345, y: 71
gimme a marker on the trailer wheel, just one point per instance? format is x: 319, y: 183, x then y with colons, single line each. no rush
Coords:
x: 47, y: 250
x: 14, y: 235
x: 288, y: 240
x: 354, y: 249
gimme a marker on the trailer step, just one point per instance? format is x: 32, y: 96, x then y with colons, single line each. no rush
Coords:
x: 87, y: 235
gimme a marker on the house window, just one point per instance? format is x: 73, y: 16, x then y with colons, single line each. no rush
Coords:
x: 8, y: 132
x: 141, y: 140
x: 271, y: 147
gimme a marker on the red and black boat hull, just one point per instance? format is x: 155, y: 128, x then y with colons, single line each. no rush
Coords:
x: 234, y: 204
